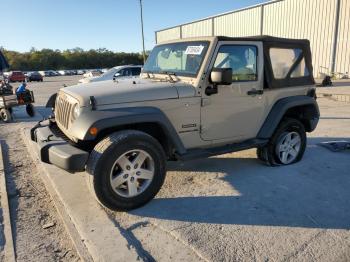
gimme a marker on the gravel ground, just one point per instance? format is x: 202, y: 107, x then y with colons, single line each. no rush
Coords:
x: 39, y: 235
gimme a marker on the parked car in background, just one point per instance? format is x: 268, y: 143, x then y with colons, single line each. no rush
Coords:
x: 16, y: 76
x: 48, y: 73
x: 42, y: 73
x: 27, y: 73
x: 92, y: 73
x: 118, y: 72
x: 34, y: 76
x: 71, y: 72
x: 63, y: 72
x: 80, y: 72
x: 53, y: 73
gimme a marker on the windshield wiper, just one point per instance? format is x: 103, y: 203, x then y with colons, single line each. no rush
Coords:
x: 149, y: 74
x: 170, y: 74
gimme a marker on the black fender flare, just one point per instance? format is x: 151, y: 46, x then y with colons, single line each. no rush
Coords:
x: 111, y: 118
x: 51, y: 102
x: 280, y: 108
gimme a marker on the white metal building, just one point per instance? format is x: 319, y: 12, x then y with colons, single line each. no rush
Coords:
x: 326, y: 23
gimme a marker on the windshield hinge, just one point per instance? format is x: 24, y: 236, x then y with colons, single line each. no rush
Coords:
x: 205, y: 102
x: 93, y: 103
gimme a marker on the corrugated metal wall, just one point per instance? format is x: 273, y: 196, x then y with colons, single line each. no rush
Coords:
x: 202, y: 28
x: 235, y: 24
x: 343, y: 47
x: 169, y: 34
x: 311, y: 19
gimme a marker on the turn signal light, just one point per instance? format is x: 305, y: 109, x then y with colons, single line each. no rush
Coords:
x: 93, y: 131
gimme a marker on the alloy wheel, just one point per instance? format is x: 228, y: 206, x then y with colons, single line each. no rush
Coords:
x: 132, y: 173
x: 288, y: 147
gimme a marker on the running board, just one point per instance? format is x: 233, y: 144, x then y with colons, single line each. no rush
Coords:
x: 208, y: 152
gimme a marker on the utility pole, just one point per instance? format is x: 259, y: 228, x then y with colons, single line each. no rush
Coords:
x: 143, y: 36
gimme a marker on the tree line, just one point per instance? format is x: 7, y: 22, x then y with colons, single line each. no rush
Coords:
x: 77, y: 58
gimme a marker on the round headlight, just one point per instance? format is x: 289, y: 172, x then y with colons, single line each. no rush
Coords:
x: 75, y: 112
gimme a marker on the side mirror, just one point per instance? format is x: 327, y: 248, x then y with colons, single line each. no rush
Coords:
x: 221, y: 76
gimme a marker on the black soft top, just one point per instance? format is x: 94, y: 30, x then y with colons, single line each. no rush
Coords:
x: 265, y: 39
x: 277, y: 42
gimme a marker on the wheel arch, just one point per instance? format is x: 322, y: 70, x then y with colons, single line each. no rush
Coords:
x: 146, y: 119
x: 151, y: 128
x: 303, y: 108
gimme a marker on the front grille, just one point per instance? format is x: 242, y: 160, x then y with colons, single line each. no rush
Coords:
x: 63, y: 111
x: 58, y: 132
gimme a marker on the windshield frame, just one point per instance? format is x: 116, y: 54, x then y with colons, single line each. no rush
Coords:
x: 206, y: 44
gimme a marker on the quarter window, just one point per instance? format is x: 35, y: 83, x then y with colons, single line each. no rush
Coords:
x: 282, y: 60
x: 242, y: 59
x: 301, y: 70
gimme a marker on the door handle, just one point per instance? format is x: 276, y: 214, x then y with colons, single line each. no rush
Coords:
x: 255, y: 92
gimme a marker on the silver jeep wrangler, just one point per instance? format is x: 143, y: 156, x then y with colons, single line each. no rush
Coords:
x: 196, y: 98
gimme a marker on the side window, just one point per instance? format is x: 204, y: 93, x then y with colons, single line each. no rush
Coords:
x: 136, y: 71
x: 125, y: 72
x: 301, y: 70
x: 242, y: 59
x: 282, y: 60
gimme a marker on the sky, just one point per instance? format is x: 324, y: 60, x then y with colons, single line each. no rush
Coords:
x: 92, y: 24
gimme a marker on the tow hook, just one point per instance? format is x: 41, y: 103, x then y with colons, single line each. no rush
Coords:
x: 48, y: 139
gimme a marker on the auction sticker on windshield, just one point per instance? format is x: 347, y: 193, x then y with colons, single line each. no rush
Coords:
x: 194, y: 50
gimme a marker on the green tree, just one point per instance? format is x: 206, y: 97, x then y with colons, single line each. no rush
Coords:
x: 76, y: 58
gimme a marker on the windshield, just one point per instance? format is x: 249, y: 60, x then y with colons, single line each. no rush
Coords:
x: 111, y: 72
x: 184, y: 59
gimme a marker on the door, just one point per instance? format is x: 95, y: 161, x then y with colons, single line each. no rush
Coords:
x: 235, y: 112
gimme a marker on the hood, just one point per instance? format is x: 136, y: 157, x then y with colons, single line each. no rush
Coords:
x: 127, y: 91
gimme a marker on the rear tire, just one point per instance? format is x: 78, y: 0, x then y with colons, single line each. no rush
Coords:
x: 126, y: 170
x: 5, y: 115
x: 286, y: 146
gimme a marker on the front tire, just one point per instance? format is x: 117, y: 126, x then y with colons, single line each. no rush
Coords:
x: 126, y: 169
x: 286, y: 146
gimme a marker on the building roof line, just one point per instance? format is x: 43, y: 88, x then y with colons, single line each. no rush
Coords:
x: 222, y: 14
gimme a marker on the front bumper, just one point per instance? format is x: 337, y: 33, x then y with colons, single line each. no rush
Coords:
x: 57, y: 151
